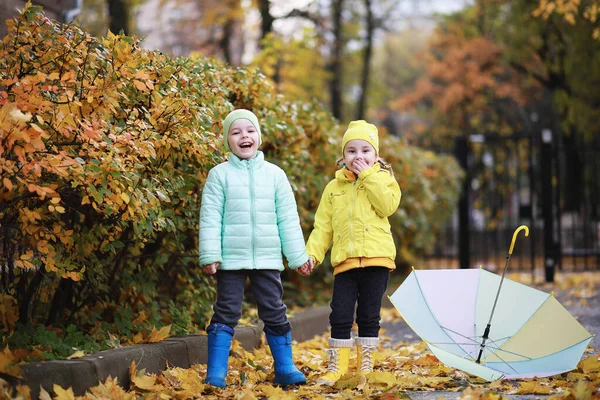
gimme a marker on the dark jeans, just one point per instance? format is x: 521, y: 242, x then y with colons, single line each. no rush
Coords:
x: 365, y: 285
x: 267, y: 290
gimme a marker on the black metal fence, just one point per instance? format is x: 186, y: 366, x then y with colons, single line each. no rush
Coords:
x: 550, y: 184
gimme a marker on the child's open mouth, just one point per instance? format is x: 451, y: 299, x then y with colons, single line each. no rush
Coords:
x: 246, y: 145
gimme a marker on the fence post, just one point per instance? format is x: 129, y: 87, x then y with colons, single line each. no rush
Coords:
x: 461, y: 151
x: 547, y: 173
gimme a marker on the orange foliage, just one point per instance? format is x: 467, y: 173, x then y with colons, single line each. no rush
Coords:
x: 465, y: 79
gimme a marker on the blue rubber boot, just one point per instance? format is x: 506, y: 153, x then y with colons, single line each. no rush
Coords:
x: 219, y: 343
x: 286, y: 372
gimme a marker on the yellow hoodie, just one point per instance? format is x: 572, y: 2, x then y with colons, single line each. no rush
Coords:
x: 353, y: 215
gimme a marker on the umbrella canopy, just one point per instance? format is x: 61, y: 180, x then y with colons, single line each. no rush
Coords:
x: 530, y: 333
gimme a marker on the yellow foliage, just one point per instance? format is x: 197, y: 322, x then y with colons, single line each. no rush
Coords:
x: 9, y: 313
x: 77, y: 354
x: 8, y: 364
x: 533, y: 387
x: 351, y: 381
x: 63, y: 394
x: 158, y: 335
x: 590, y: 364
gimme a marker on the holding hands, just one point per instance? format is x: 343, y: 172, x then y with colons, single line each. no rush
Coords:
x: 307, y: 267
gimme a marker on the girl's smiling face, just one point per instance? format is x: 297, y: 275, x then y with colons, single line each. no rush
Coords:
x: 358, y: 155
x: 243, y: 139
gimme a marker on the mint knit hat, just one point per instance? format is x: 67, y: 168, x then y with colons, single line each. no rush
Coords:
x: 239, y: 114
x: 361, y: 130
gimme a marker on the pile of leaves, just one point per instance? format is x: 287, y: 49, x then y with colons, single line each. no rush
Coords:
x: 401, y: 368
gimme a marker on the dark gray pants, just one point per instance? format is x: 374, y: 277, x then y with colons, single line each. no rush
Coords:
x: 267, y: 291
x: 365, y: 286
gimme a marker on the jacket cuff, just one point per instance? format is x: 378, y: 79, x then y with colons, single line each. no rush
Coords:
x: 298, y: 265
x: 210, y: 260
x: 366, y: 172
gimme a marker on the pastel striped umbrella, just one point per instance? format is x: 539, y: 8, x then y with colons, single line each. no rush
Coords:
x: 490, y: 326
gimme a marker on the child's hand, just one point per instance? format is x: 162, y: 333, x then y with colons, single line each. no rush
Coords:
x: 307, y: 267
x: 210, y: 269
x: 359, y: 165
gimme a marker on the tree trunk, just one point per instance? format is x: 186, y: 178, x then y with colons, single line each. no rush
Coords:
x: 63, y: 299
x: 31, y: 290
x: 267, y: 19
x: 118, y: 16
x: 368, y: 54
x: 225, y: 42
x: 335, y: 65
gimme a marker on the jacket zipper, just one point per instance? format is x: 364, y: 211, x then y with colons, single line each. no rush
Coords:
x: 350, y: 212
x: 252, y: 217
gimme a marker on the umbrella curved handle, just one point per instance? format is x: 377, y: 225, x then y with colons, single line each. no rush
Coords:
x: 514, y: 238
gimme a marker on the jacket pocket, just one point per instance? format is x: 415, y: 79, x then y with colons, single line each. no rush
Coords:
x: 377, y: 230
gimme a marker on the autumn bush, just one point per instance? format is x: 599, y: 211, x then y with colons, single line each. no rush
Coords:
x: 104, y: 149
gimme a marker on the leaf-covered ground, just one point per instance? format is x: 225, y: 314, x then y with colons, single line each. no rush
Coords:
x: 403, y: 369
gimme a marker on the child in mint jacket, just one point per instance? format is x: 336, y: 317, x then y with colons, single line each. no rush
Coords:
x: 248, y: 218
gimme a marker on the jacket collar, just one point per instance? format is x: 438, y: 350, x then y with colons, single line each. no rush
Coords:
x: 253, y: 163
x: 345, y: 175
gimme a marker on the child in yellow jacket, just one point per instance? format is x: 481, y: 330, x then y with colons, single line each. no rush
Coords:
x: 353, y: 217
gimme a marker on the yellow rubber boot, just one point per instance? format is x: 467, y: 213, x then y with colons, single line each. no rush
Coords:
x: 339, y: 357
x: 366, y: 348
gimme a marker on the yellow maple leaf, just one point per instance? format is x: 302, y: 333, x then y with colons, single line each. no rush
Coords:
x: 245, y: 395
x: 63, y: 394
x: 7, y: 364
x: 189, y: 381
x: 584, y: 390
x: 77, y: 354
x: 590, y: 364
x: 532, y: 387
x: 144, y: 382
x: 138, y: 338
x: 576, y: 376
x: 351, y: 381
x: 276, y: 393
x: 157, y: 336
x: 428, y: 359
x: 44, y: 395
x: 436, y: 382
x: 110, y: 389
x: 387, y: 378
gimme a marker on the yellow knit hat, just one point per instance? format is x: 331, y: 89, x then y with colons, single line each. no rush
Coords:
x: 361, y: 130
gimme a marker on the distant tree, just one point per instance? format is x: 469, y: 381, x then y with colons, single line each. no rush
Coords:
x: 395, y: 69
x: 572, y: 11
x: 118, y: 16
x: 376, y: 14
x: 335, y: 66
x: 466, y: 87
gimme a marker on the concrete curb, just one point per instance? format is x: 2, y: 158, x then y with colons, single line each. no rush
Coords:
x: 183, y: 352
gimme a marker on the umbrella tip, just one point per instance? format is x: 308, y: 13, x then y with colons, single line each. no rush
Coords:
x: 552, y: 293
x: 413, y: 267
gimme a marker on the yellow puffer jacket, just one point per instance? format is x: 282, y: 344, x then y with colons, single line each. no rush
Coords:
x: 353, y: 215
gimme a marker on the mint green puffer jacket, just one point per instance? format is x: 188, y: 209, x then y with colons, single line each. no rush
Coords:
x: 249, y: 217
